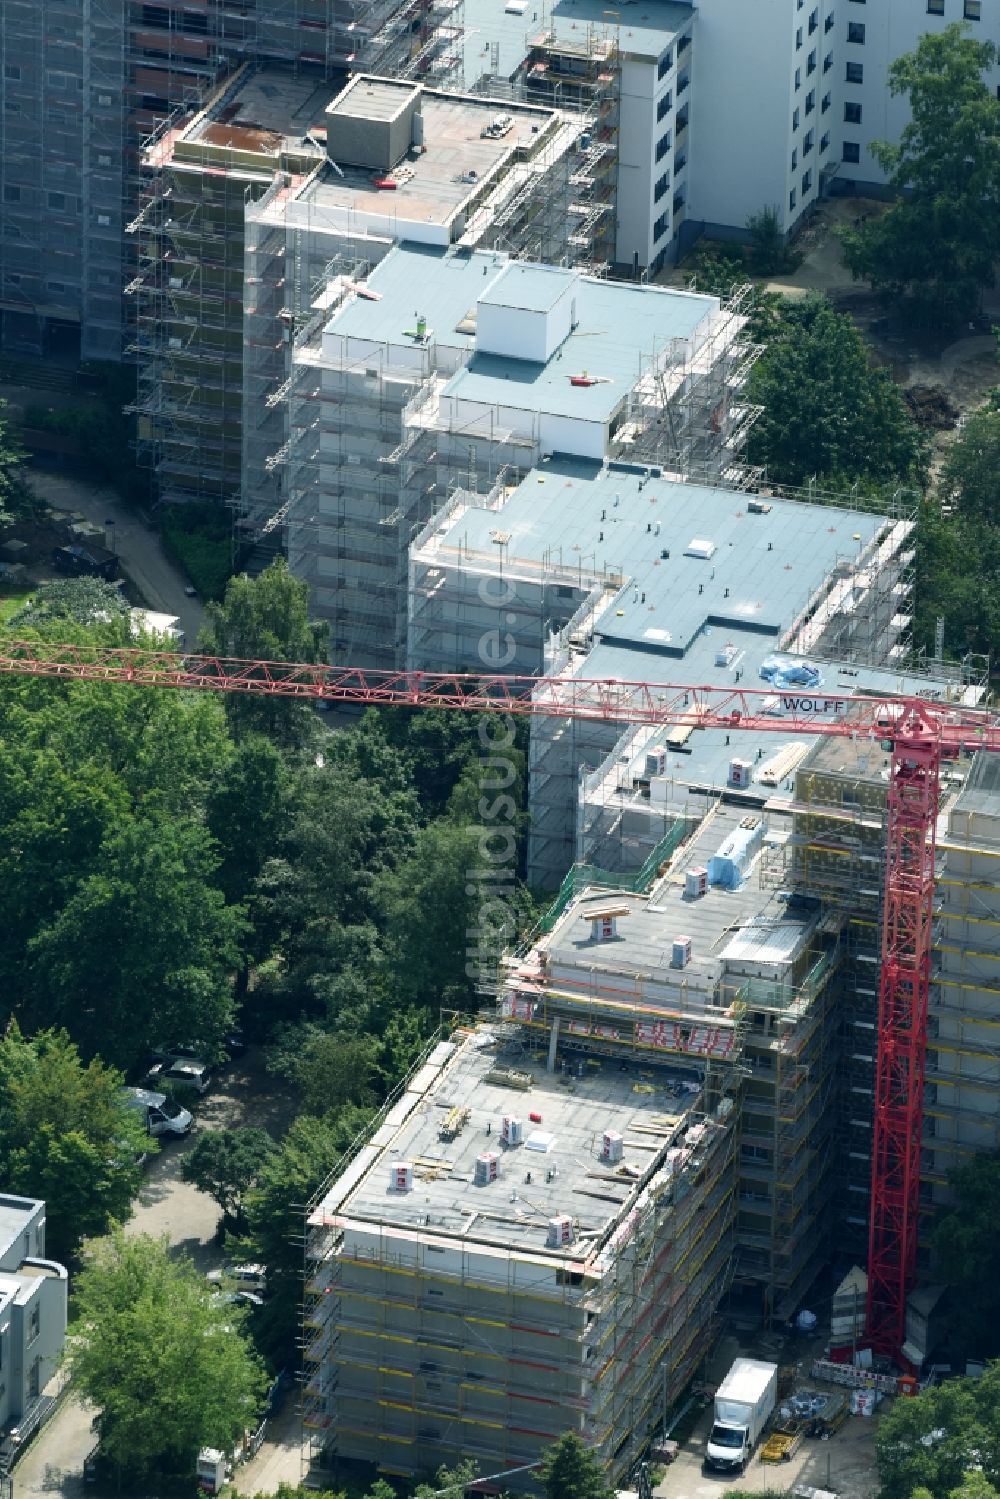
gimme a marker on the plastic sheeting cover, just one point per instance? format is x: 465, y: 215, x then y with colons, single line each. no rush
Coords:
x: 790, y: 671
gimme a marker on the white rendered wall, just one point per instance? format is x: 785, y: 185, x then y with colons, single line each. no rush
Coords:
x: 637, y: 134
x: 892, y: 27
x: 741, y: 109
x: 523, y: 333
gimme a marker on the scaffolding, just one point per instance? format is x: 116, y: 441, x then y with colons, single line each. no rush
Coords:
x: 200, y: 172
x: 581, y: 77
x: 688, y: 410
x: 411, y: 1356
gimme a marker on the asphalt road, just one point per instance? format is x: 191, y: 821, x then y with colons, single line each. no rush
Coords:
x: 143, y: 558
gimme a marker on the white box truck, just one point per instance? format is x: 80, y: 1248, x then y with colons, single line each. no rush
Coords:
x: 743, y: 1405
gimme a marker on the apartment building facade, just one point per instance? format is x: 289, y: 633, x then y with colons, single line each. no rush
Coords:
x: 33, y: 1293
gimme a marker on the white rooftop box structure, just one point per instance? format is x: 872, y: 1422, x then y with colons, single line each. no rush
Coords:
x: 527, y: 312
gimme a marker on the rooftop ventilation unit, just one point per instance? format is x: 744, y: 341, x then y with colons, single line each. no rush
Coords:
x: 699, y: 547
x: 401, y: 1176
x: 604, y: 923
x: 656, y: 762
x: 739, y: 774
x: 487, y: 1168
x: 511, y: 1129
x: 695, y: 883
x: 612, y: 1146
x: 560, y: 1231
x: 680, y: 952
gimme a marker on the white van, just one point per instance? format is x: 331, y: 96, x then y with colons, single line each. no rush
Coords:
x: 161, y: 1115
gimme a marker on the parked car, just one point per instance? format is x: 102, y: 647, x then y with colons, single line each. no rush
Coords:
x: 190, y: 1071
x: 161, y: 1115
x: 241, y: 1278
x: 237, y: 1298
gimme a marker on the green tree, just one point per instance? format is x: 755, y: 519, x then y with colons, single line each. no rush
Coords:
x: 266, y: 619
x: 143, y: 949
x: 85, y: 600
x: 826, y: 411
x: 274, y: 1207
x: 970, y: 477
x: 968, y: 1253
x: 67, y: 1136
x: 170, y: 1371
x: 225, y: 1164
x: 721, y: 272
x: 770, y: 254
x: 958, y: 579
x: 246, y: 811
x: 933, y: 1440
x: 325, y: 1069
x: 936, y: 247
x: 570, y: 1471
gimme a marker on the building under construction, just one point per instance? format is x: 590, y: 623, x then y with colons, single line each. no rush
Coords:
x: 400, y: 412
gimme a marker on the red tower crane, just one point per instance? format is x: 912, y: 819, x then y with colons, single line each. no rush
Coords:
x: 920, y: 732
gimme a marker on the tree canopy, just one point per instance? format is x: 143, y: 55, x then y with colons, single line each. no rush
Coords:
x: 936, y: 247
x: 225, y: 1163
x: 570, y: 1471
x: 169, y: 1368
x: 934, y: 1440
x: 827, y: 413
x: 968, y: 1254
x: 67, y: 1136
x: 266, y: 619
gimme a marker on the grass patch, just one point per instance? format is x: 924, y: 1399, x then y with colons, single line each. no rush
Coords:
x: 198, y: 538
x: 10, y: 603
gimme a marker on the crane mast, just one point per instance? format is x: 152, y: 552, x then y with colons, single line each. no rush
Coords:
x: 921, y: 732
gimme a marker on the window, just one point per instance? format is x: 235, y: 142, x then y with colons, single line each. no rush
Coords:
x: 935, y: 7
x: 807, y: 182
x: 811, y: 64
x: 813, y: 21
x: 104, y: 219
x: 855, y: 72
x: 795, y: 159
x: 11, y: 70
x: 663, y: 146
x: 825, y: 104
x: 12, y: 195
x: 103, y: 159
x: 662, y: 183
x: 664, y: 105
x: 660, y: 227
x: 856, y: 32
x: 852, y: 114
x: 828, y: 23
x: 824, y: 144
x: 34, y: 1323
x: 55, y: 286
x: 795, y: 119
x: 666, y: 63
x: 973, y: 10
x: 57, y: 200
x: 798, y: 39
x: 810, y: 101
x: 798, y: 77
x: 104, y: 100
x: 852, y: 151
x: 809, y: 142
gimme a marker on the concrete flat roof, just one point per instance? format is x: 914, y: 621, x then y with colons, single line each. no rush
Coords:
x: 270, y: 108
x: 441, y: 179
x: 654, y: 920
x: 764, y: 569
x: 645, y: 30
x: 616, y: 325
x: 14, y: 1214
x: 648, y: 1105
x: 369, y: 98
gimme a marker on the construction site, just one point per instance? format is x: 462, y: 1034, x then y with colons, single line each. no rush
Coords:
x: 400, y: 417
